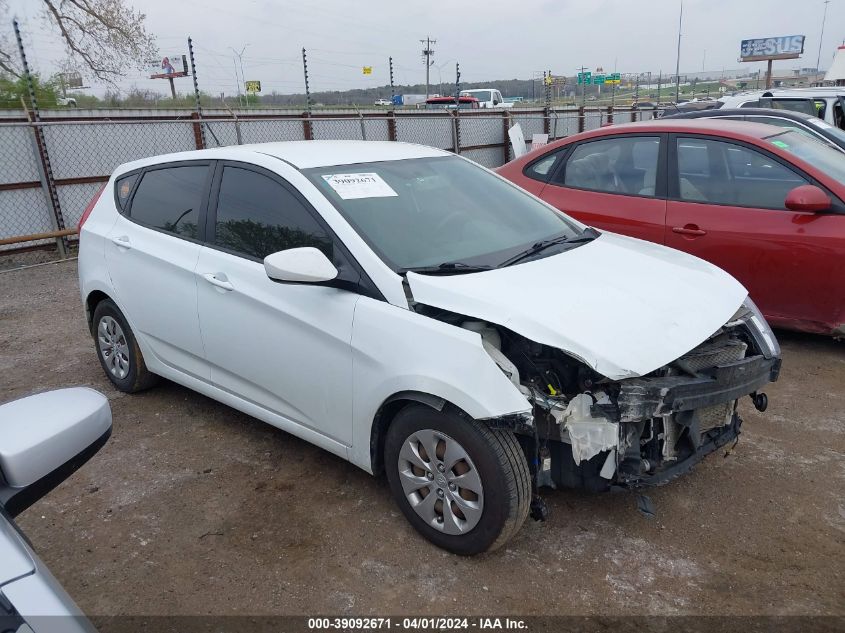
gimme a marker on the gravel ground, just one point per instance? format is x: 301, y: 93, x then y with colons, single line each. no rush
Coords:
x: 194, y: 508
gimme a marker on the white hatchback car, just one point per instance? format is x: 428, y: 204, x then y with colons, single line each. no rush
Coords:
x: 415, y: 313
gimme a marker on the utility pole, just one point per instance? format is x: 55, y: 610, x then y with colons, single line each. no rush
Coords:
x: 821, y: 37
x: 427, y: 53
x: 678, y: 58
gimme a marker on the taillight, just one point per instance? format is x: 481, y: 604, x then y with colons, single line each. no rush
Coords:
x: 90, y: 208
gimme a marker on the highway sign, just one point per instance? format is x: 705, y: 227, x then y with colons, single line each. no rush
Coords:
x: 585, y: 78
x: 253, y: 86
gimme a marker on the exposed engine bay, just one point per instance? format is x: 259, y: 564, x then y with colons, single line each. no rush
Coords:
x: 595, y: 433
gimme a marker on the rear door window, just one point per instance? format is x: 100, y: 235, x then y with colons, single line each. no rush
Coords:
x: 170, y: 199
x: 806, y: 106
x: 625, y: 165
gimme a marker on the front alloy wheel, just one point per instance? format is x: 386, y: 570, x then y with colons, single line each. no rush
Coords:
x: 441, y: 482
x: 462, y: 484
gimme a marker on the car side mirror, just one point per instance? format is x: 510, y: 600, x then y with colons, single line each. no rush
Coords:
x: 45, y: 438
x: 807, y: 198
x: 303, y: 265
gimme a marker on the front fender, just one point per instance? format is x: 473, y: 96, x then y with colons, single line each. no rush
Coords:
x: 396, y: 350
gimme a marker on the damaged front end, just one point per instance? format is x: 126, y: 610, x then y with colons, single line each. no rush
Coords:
x: 647, y: 430
x: 595, y: 433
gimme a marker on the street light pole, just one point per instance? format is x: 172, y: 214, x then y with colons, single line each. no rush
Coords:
x: 678, y: 58
x: 821, y: 37
x: 439, y: 68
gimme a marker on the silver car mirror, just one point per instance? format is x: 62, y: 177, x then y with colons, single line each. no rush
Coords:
x: 303, y: 265
x: 45, y: 438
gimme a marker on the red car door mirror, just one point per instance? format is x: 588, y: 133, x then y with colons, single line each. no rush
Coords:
x: 807, y: 198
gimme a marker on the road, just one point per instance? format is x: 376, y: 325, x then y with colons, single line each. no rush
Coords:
x: 194, y: 508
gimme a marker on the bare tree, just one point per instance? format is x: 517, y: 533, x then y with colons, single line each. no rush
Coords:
x: 103, y: 38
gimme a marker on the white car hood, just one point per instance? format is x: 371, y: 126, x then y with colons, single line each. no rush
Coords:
x: 623, y: 306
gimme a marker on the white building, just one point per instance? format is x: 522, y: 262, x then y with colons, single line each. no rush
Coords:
x: 836, y: 73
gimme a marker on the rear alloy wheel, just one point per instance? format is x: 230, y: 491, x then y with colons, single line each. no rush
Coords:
x: 114, y: 349
x: 461, y: 484
x: 118, y: 350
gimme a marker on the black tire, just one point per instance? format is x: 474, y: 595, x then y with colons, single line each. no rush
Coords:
x: 499, y: 461
x: 138, y: 377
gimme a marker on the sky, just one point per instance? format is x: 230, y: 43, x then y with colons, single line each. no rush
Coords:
x: 492, y: 39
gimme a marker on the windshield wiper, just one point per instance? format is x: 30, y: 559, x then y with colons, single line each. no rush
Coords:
x: 447, y: 268
x: 587, y: 235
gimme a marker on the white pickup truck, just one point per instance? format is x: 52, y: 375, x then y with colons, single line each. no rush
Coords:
x: 487, y: 97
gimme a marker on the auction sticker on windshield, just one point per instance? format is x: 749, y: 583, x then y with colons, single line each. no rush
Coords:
x: 356, y: 186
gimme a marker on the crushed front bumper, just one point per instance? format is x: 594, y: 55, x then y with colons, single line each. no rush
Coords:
x: 671, y: 423
x: 642, y: 398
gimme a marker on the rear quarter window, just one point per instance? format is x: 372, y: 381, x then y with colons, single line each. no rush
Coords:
x: 123, y: 189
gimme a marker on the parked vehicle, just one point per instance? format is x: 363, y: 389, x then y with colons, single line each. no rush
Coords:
x: 383, y: 102
x: 44, y: 439
x: 669, y: 109
x: 491, y: 334
x: 451, y: 103
x: 487, y: 97
x: 409, y: 100
x: 763, y: 203
x: 827, y: 103
x: 808, y: 124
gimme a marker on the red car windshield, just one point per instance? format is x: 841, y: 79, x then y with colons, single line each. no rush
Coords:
x: 820, y: 155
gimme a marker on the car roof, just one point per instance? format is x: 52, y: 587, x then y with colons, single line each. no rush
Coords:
x: 735, y: 129
x: 787, y: 92
x: 717, y: 112
x: 303, y: 154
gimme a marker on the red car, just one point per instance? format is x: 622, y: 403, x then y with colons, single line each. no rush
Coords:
x: 762, y: 202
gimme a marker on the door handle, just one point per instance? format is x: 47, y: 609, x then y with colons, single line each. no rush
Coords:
x: 220, y: 283
x: 689, y: 229
x: 122, y: 241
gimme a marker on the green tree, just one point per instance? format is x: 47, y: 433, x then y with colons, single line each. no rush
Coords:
x: 12, y: 89
x: 103, y: 38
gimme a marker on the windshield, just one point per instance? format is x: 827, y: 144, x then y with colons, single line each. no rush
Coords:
x: 481, y: 95
x: 424, y: 212
x: 820, y: 155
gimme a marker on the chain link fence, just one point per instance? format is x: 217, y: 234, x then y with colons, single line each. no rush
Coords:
x: 74, y: 156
